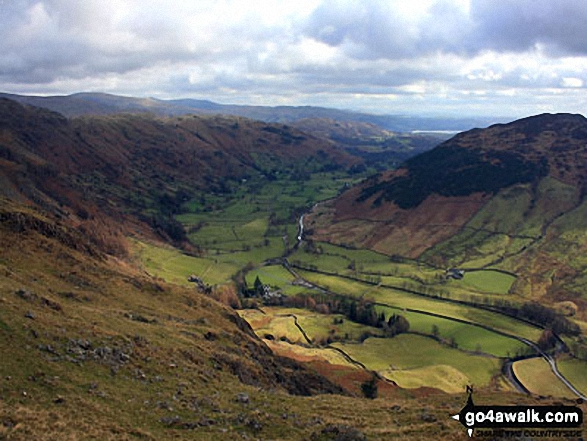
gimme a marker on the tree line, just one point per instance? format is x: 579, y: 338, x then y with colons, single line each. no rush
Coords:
x: 357, y: 310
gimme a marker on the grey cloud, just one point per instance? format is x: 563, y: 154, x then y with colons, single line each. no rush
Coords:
x: 370, y: 48
x: 376, y: 30
x: 522, y: 24
x: 46, y: 40
x: 365, y: 30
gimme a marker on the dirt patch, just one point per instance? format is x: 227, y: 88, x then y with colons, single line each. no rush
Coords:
x: 351, y: 379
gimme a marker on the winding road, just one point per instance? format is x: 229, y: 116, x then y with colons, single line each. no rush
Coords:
x: 301, y: 229
x: 553, y: 367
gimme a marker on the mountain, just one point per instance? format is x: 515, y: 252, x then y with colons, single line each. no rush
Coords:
x: 510, y: 197
x: 93, y: 347
x: 104, y: 104
x: 142, y: 168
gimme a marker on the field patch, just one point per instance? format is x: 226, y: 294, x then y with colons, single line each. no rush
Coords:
x: 273, y: 275
x: 173, y: 266
x: 536, y: 376
x: 305, y: 354
x: 575, y: 371
x: 459, y: 335
x: 320, y: 328
x: 489, y: 281
x: 406, y: 352
x: 446, y: 378
x: 401, y: 299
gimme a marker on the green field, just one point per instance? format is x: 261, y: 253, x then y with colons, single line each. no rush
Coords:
x: 536, y: 375
x: 258, y: 221
x: 506, y: 224
x: 174, y: 266
x: 441, y: 376
x: 431, y: 364
x: 421, y: 356
x: 574, y: 371
x: 274, y: 275
x: 461, y: 335
x: 400, y: 299
x: 361, y: 264
x: 488, y: 281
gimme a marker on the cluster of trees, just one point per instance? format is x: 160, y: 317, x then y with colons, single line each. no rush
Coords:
x: 357, y: 310
x: 455, y: 171
x: 369, y: 388
x: 579, y: 348
x: 167, y: 226
x: 170, y: 204
x: 549, y: 318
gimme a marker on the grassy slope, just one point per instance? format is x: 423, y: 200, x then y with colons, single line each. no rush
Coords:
x: 184, y: 356
x: 431, y: 365
x: 63, y: 339
x: 172, y: 265
x: 574, y: 371
x: 536, y: 375
x: 399, y: 353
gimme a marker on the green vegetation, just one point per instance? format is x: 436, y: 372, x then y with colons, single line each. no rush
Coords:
x: 174, y: 266
x: 401, y: 299
x: 241, y: 231
x: 257, y: 220
x: 275, y: 276
x: 494, y: 282
x: 536, y: 375
x: 406, y: 352
x: 460, y: 335
x: 441, y: 376
x: 575, y: 371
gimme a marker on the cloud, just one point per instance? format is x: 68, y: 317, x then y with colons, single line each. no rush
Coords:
x: 557, y: 26
x: 389, y: 55
x: 383, y: 29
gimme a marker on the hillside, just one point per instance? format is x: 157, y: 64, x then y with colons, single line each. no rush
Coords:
x: 142, y: 169
x: 80, y: 104
x: 93, y: 348
x: 123, y: 238
x: 509, y: 197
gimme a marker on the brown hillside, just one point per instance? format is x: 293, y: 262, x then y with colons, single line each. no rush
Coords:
x: 129, y: 168
x: 435, y: 194
x: 389, y: 229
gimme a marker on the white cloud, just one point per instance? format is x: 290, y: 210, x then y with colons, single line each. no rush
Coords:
x: 458, y: 56
x: 572, y: 82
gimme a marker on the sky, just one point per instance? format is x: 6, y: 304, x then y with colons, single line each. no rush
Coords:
x: 419, y: 57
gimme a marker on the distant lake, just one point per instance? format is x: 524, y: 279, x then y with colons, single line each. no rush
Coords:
x: 436, y: 132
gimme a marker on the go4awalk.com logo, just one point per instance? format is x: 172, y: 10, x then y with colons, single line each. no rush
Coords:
x: 518, y: 421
